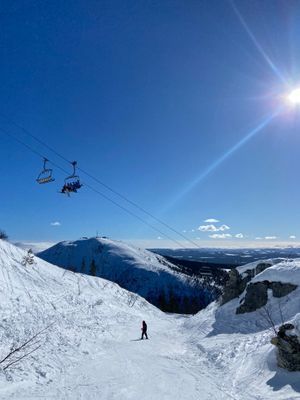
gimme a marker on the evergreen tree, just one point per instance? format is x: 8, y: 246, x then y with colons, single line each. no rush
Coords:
x: 83, y: 265
x: 186, y: 305
x: 162, y: 304
x: 93, y: 268
x: 3, y: 235
x: 174, y: 303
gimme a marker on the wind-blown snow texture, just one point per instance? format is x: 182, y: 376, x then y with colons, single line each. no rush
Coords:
x: 91, y: 352
x: 137, y: 270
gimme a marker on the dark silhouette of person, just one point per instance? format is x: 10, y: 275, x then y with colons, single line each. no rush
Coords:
x: 144, y: 330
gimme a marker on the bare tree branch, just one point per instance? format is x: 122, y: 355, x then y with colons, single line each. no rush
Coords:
x: 280, y: 311
x: 266, y: 314
x: 20, y: 358
x: 25, y: 344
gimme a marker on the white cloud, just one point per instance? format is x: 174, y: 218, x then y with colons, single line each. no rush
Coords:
x: 270, y: 237
x: 292, y: 237
x: 224, y: 228
x: 220, y: 236
x: 184, y: 231
x: 213, y: 228
x: 211, y: 220
x: 159, y: 237
x: 239, y: 235
x: 55, y: 223
x: 208, y: 228
x: 258, y: 238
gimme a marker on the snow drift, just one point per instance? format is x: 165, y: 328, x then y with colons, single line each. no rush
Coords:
x: 140, y: 271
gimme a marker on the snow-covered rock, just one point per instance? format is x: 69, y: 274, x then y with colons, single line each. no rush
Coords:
x: 280, y: 280
x: 239, y: 277
x: 137, y: 270
x: 287, y: 340
x: 238, y: 346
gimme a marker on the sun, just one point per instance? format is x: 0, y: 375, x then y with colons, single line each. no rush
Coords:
x: 294, y: 96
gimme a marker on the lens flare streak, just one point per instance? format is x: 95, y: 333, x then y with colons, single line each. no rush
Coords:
x: 257, y: 44
x: 226, y: 155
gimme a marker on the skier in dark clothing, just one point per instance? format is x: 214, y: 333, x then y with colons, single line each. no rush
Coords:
x: 144, y: 330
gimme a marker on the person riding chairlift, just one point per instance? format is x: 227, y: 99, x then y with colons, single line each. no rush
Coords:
x: 71, y: 187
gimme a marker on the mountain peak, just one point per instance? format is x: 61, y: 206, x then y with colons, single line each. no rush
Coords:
x: 137, y: 270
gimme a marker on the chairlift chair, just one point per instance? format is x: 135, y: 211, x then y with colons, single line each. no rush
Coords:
x: 46, y: 175
x: 72, y: 182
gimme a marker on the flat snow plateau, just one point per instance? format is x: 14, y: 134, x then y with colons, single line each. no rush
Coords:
x: 91, y: 348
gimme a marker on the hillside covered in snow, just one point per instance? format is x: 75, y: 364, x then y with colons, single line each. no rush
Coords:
x: 82, y: 336
x: 137, y: 270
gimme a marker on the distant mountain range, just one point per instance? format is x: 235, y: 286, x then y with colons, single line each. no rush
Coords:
x: 229, y: 257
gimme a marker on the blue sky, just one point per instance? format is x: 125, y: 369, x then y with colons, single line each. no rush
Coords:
x: 154, y: 98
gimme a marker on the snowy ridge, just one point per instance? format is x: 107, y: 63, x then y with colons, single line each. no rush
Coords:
x: 287, y: 271
x: 253, y: 265
x: 137, y: 270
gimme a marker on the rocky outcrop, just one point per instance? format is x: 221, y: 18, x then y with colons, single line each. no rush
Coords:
x: 257, y: 294
x: 237, y: 283
x: 288, y: 345
x: 233, y: 287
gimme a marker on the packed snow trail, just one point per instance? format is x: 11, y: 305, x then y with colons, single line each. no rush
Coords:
x: 125, y: 367
x: 92, y: 349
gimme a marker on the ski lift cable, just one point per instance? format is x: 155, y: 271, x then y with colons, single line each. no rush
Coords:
x: 96, y: 191
x: 142, y: 209
x: 134, y: 215
x: 139, y: 207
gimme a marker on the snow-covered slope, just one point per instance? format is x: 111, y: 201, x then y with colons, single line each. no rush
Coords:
x: 137, y: 270
x: 236, y: 347
x: 90, y: 350
x: 78, y: 312
x: 88, y: 347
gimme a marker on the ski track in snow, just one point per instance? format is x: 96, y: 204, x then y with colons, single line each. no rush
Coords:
x: 93, y: 352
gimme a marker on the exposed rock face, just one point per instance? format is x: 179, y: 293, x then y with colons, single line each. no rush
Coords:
x: 282, y: 289
x: 234, y: 286
x: 256, y: 297
x: 288, y: 345
x: 237, y: 283
x: 257, y: 294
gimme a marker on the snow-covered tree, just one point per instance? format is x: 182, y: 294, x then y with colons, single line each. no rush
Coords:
x: 29, y: 258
